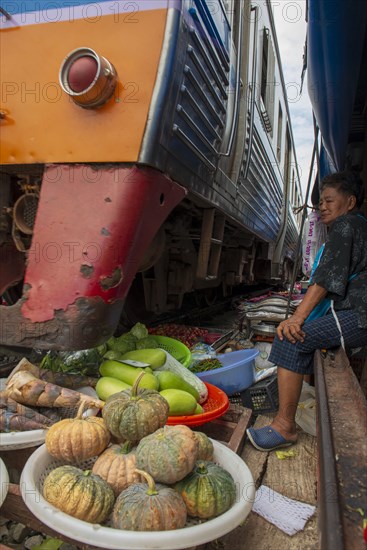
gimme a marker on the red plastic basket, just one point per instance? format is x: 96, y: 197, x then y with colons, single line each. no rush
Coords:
x: 215, y: 406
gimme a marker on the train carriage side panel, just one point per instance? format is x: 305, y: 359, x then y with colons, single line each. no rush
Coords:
x: 185, y: 139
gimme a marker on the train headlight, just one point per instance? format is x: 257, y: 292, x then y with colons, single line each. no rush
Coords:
x: 88, y: 78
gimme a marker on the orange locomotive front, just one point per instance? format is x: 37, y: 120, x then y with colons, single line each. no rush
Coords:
x: 77, y: 84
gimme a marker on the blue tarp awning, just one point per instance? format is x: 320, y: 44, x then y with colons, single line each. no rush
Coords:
x: 335, y: 39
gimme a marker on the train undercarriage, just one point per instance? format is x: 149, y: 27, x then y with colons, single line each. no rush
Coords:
x: 197, y: 250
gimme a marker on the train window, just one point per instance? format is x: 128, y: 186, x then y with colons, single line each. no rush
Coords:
x: 268, y: 78
x: 280, y: 130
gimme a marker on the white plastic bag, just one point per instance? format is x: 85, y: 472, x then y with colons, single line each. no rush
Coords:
x: 306, y: 410
x: 261, y: 360
x: 314, y: 235
x: 263, y: 367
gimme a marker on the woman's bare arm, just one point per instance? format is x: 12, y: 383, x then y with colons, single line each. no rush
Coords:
x: 291, y: 327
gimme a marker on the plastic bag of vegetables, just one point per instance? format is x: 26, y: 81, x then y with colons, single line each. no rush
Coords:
x: 84, y: 361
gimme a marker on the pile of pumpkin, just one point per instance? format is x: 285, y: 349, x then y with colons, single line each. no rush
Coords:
x: 147, y: 476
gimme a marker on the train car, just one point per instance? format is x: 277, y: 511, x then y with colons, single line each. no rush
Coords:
x: 146, y: 153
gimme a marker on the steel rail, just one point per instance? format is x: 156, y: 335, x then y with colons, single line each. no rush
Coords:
x: 342, y: 452
x: 329, y: 511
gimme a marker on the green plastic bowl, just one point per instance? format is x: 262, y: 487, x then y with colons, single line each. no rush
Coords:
x: 177, y: 349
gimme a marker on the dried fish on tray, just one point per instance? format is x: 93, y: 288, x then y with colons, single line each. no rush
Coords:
x: 263, y: 329
x: 265, y: 316
x: 270, y: 307
x: 275, y: 301
x: 271, y: 310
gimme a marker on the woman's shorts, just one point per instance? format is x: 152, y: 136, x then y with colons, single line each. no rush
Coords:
x: 321, y: 333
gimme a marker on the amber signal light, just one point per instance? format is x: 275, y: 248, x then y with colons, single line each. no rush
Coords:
x: 88, y: 78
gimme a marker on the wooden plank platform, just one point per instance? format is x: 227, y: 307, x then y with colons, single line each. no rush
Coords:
x: 294, y: 478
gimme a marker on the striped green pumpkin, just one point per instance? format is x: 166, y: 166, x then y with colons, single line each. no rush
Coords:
x: 136, y: 413
x: 79, y: 493
x: 208, y: 491
x: 152, y: 507
x: 168, y: 454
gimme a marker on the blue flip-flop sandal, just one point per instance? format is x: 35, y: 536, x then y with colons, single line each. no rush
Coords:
x: 267, y: 439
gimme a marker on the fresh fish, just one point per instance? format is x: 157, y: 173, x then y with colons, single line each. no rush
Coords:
x: 272, y: 309
x: 264, y: 316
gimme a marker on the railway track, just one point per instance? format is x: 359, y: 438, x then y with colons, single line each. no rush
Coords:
x: 342, y: 453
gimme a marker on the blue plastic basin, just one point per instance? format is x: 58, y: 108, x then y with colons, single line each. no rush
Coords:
x: 237, y: 372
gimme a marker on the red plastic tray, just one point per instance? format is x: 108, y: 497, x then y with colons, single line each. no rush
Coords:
x: 215, y: 406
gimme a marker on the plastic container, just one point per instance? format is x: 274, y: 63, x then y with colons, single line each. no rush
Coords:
x: 40, y: 463
x: 214, y: 407
x: 4, y: 486
x: 20, y: 440
x: 177, y: 349
x: 237, y: 372
x: 263, y: 396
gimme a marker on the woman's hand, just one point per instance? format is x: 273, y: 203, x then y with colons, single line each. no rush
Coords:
x: 291, y: 329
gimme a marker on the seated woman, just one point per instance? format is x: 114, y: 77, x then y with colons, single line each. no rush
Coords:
x: 341, y: 276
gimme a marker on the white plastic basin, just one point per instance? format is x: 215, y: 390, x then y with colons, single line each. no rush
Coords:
x: 41, y: 463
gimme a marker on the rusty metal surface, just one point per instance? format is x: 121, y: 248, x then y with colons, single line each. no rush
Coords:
x: 342, y: 444
x: 85, y: 324
x: 92, y: 228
